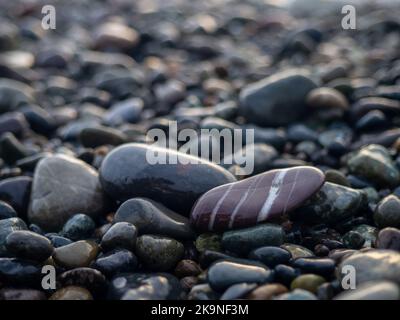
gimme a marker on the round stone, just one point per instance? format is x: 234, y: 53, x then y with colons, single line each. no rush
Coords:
x: 63, y: 186
x: 257, y: 199
x: 387, y: 212
x: 116, y: 261
x: 16, y: 192
x: 321, y: 266
x: 29, y: 245
x: 186, y: 268
x: 78, y: 227
x: 208, y: 241
x: 75, y: 255
x: 309, y: 282
x: 8, y: 226
x: 388, y: 238
x: 88, y: 278
x: 6, y: 211
x: 177, y: 186
x: 120, y: 235
x: 158, y: 253
x: 71, y: 293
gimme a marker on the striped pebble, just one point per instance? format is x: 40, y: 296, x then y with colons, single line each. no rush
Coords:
x: 260, y: 198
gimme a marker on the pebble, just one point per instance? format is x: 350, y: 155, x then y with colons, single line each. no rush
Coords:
x: 266, y: 103
x: 164, y: 183
x: 16, y: 192
x: 63, y: 186
x: 372, y: 290
x: 353, y: 240
x: 14, y: 94
x: 21, y: 294
x: 19, y: 272
x: 227, y: 207
x: 309, y: 282
x: 120, y: 235
x: 242, y: 241
x: 187, y: 268
x: 208, y: 241
x: 88, y: 278
x: 321, y: 266
x: 116, y: 261
x: 375, y: 164
x: 270, y: 256
x: 159, y: 253
x: 387, y: 212
x: 297, y: 251
x: 267, y: 292
x: 126, y: 111
x: 75, y: 255
x: 8, y: 226
x: 6, y: 211
x: 238, y: 291
x: 296, y: 294
x: 150, y: 217
x: 331, y: 204
x: 388, y: 238
x: 99, y: 136
x: 29, y: 245
x: 78, y: 227
x: 374, y: 265
x: 71, y: 293
x: 223, y: 274
x: 328, y: 103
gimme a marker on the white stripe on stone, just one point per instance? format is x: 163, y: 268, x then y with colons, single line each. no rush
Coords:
x: 291, y: 190
x: 272, y: 195
x: 241, y: 201
x: 217, y: 206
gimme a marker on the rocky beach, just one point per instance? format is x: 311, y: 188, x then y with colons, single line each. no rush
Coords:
x: 85, y: 214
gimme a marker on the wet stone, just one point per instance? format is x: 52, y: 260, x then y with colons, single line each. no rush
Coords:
x: 297, y: 251
x: 267, y: 292
x: 388, y: 238
x: 309, y: 282
x: 208, y: 241
x: 120, y: 235
x: 88, y: 278
x: 170, y: 184
x: 71, y: 293
x: 271, y: 256
x: 297, y: 294
x: 150, y: 217
x: 78, y: 227
x: 8, y: 226
x: 6, y: 211
x: 16, y: 191
x: 116, y: 261
x: 186, y: 268
x: 159, y: 253
x: 63, y: 186
x: 242, y: 241
x: 353, y: 240
x: 221, y: 275
x: 29, y: 245
x: 267, y: 196
x: 373, y: 290
x: 99, y: 136
x: 375, y: 164
x: 19, y: 272
x: 387, y: 212
x: 374, y: 265
x: 75, y: 255
x: 238, y: 291
x: 320, y: 266
x: 266, y: 103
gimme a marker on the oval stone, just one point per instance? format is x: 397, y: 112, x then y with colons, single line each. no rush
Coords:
x: 126, y: 173
x: 257, y: 199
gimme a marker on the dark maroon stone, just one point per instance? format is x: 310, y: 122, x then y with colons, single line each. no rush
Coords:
x: 260, y: 198
x: 16, y: 192
x: 388, y: 238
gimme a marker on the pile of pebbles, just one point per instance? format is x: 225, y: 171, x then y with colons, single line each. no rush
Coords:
x: 77, y: 193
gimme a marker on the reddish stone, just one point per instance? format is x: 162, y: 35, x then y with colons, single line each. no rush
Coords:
x: 257, y: 199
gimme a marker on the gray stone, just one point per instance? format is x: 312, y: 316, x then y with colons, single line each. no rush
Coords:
x: 374, y: 290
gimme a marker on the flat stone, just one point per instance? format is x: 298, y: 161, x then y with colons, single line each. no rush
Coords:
x: 150, y: 217
x: 177, y: 186
x: 63, y: 186
x: 257, y: 199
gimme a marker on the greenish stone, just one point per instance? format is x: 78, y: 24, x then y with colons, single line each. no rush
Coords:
x: 369, y: 233
x: 159, y: 253
x: 8, y: 226
x: 332, y: 203
x: 309, y: 282
x: 79, y: 227
x: 242, y: 241
x: 375, y: 164
x: 208, y: 241
x: 297, y: 251
x: 335, y: 176
x: 353, y: 240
